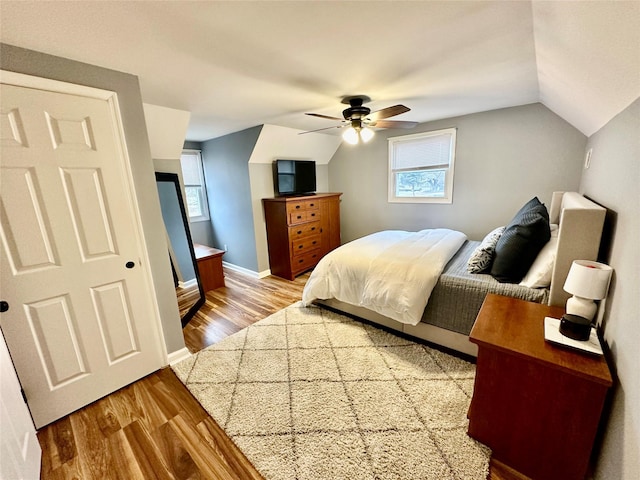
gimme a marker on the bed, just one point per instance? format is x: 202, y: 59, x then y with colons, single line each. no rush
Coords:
x: 457, y: 295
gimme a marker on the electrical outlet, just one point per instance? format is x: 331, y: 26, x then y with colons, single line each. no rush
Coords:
x: 587, y: 159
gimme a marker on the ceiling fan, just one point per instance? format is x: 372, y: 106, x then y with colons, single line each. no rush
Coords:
x: 358, y: 119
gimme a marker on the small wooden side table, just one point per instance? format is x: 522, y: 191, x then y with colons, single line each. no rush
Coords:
x: 535, y: 404
x: 210, y: 266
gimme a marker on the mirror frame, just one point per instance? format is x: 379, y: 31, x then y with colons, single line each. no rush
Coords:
x: 173, y: 178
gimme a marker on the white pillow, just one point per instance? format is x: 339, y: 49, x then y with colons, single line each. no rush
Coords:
x: 481, y: 258
x: 539, y: 274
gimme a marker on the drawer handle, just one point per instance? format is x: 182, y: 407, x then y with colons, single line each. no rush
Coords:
x: 301, y: 260
x: 313, y: 214
x: 314, y: 242
x: 300, y: 246
x: 312, y: 204
x: 299, y: 232
x: 313, y: 228
x: 313, y: 256
x: 299, y: 216
x: 297, y: 206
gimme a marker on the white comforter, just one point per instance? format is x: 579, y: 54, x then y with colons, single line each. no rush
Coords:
x: 391, y: 272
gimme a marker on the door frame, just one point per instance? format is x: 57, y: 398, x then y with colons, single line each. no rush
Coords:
x: 47, y: 84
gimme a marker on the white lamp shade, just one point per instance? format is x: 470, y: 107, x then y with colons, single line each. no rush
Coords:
x: 350, y: 135
x: 366, y: 134
x: 588, y: 279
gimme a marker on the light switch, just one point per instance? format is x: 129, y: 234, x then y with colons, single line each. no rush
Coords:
x: 587, y: 159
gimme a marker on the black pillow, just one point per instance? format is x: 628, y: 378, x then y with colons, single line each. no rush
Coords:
x: 522, y: 240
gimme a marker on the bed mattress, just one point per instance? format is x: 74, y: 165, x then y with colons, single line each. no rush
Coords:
x: 458, y: 295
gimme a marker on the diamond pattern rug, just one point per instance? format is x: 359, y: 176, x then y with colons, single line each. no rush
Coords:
x: 308, y: 394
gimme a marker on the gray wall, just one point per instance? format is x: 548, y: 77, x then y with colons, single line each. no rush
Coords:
x: 614, y: 181
x: 226, y: 170
x: 128, y: 89
x: 503, y: 158
x: 202, y: 233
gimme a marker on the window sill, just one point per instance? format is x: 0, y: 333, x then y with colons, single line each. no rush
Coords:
x: 420, y: 200
x: 198, y: 219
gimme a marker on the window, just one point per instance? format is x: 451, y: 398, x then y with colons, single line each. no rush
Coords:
x: 421, y: 167
x: 195, y: 190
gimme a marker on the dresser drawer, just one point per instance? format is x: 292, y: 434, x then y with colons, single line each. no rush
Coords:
x: 304, y: 230
x: 303, y: 216
x: 304, y: 245
x: 306, y: 261
x: 302, y: 205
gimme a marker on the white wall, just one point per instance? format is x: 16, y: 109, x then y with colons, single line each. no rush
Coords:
x: 292, y: 144
x: 614, y: 181
x: 167, y: 128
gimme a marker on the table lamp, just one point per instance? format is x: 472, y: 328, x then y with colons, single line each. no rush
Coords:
x: 587, y: 281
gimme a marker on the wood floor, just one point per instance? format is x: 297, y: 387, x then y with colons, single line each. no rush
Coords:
x: 154, y: 428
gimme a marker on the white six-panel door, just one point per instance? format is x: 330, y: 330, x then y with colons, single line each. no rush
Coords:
x: 81, y: 321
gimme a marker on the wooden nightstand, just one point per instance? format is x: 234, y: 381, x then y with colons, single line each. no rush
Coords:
x: 210, y: 266
x: 535, y: 404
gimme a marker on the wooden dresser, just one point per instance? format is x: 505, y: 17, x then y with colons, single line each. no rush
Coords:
x: 300, y: 231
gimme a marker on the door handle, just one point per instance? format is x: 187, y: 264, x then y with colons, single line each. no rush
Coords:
x: 4, y: 306
x: 130, y: 264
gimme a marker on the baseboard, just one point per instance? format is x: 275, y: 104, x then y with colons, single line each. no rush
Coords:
x: 264, y: 273
x: 246, y: 271
x: 188, y: 283
x: 178, y: 356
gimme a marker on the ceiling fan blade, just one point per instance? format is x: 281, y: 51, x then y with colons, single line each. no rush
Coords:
x: 393, y: 124
x: 387, y: 112
x: 320, y: 129
x: 324, y: 116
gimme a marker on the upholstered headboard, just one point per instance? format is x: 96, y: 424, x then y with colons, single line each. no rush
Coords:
x: 580, y: 229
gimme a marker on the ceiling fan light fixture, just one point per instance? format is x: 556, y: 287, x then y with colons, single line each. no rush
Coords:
x: 358, y: 118
x: 350, y: 136
x: 366, y: 134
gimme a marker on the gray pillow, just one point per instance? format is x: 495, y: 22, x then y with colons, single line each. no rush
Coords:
x: 481, y: 258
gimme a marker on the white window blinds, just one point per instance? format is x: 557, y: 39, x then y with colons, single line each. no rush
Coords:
x: 431, y: 151
x: 191, y: 172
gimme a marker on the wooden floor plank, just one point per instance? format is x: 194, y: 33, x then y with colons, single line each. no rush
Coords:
x: 64, y: 440
x: 208, y: 460
x: 145, y: 451
x: 50, y: 457
x: 93, y: 454
x: 124, y: 465
x: 175, y: 454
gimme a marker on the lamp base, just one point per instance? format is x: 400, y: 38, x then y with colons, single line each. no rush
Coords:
x: 575, y: 327
x: 583, y: 307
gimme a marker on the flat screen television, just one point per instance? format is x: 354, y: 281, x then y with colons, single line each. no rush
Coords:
x: 294, y: 177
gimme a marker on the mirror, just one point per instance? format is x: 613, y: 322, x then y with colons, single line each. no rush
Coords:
x: 186, y: 277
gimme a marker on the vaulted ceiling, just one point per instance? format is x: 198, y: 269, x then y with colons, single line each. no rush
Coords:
x: 236, y: 64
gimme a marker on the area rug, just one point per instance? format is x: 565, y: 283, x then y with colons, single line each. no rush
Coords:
x: 308, y: 394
